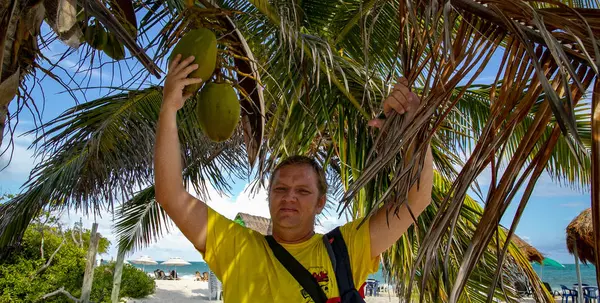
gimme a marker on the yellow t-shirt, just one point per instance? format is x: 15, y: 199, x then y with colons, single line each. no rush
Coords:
x: 243, y: 261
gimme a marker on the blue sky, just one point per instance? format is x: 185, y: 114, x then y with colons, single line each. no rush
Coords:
x: 543, y: 224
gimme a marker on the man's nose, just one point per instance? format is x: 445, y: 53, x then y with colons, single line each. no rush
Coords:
x: 290, y: 195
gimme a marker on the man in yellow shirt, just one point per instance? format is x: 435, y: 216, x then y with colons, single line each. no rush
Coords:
x: 242, y: 258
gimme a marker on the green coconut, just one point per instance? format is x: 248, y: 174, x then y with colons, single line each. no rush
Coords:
x: 202, y: 44
x: 218, y: 111
x: 114, y: 48
x: 96, y: 36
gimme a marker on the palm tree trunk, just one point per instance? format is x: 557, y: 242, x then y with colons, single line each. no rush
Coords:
x: 114, y: 298
x: 19, y: 28
x: 596, y: 173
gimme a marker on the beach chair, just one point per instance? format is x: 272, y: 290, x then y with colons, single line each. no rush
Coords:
x: 590, y: 294
x: 162, y: 275
x: 549, y: 288
x: 568, y: 293
x: 372, y: 288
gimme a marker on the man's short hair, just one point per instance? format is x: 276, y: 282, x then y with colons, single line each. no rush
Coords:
x: 303, y: 160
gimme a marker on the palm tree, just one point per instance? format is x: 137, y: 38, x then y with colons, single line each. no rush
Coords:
x: 325, y: 69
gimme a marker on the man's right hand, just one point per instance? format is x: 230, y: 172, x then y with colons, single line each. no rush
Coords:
x: 177, y: 79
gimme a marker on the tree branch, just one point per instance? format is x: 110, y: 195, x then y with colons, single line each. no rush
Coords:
x: 50, y: 260
x: 60, y: 291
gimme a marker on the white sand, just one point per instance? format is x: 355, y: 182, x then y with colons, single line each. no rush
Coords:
x: 185, y: 291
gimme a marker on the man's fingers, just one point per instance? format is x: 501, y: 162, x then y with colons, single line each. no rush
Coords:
x: 183, y: 64
x: 174, y: 63
x: 376, y: 123
x: 187, y: 96
x: 403, y: 81
x: 186, y: 71
x: 395, y: 102
x: 189, y: 81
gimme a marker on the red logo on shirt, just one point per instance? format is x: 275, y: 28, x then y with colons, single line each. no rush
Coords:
x: 322, y: 276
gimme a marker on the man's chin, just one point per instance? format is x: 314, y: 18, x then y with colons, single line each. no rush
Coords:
x: 287, y: 222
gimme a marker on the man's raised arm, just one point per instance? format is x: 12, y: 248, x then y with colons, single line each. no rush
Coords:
x: 189, y: 214
x: 386, y: 227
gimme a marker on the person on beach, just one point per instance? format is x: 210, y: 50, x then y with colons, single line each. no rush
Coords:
x: 241, y: 258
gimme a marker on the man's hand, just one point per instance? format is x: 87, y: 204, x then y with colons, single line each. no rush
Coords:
x: 177, y: 79
x: 401, y: 100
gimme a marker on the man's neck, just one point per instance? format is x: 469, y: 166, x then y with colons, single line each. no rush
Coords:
x: 292, y: 236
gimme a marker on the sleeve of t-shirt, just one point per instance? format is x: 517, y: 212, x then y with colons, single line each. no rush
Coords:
x: 358, y: 241
x: 224, y: 240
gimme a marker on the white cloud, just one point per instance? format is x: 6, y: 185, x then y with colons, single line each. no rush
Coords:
x: 245, y: 202
x: 574, y: 204
x: 83, y: 69
x: 22, y: 159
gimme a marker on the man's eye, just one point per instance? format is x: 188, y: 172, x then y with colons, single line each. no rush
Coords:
x: 304, y: 192
x: 279, y: 189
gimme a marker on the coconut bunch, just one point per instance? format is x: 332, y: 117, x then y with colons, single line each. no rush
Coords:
x: 217, y: 105
x: 231, y: 93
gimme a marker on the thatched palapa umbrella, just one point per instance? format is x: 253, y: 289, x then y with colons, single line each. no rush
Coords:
x: 580, y: 237
x: 580, y: 241
x: 532, y: 254
x: 256, y: 223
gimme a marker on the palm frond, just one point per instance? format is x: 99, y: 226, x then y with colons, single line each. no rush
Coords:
x: 140, y: 221
x: 101, y: 152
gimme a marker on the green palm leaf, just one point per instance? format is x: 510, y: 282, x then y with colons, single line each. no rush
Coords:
x: 140, y: 221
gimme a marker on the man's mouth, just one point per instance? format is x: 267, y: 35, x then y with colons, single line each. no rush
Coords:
x: 288, y: 210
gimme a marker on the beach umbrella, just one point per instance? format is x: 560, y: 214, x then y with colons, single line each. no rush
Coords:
x: 530, y: 252
x: 580, y: 242
x: 144, y: 260
x: 552, y: 263
x: 580, y: 237
x: 549, y: 262
x: 175, y: 262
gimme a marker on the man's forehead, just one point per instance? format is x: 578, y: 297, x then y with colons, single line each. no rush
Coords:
x: 295, y: 172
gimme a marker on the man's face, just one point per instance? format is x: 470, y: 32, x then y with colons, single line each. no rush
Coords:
x: 294, y: 198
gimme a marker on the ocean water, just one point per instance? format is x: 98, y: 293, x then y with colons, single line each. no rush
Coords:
x: 554, y: 276
x: 566, y: 276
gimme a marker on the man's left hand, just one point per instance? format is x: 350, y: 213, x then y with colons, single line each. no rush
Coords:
x: 400, y: 100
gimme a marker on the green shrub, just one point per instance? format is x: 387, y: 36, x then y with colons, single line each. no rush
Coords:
x: 134, y: 283
x: 19, y: 280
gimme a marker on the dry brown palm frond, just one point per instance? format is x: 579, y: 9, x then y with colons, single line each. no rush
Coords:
x: 549, y: 61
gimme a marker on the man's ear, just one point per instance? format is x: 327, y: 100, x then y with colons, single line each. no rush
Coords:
x: 321, y: 203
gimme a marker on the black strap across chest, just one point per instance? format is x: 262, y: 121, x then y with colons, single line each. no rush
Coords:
x: 340, y: 260
x: 301, y: 274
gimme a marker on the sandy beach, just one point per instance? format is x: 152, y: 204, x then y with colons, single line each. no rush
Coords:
x: 194, y: 291
x: 185, y: 291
